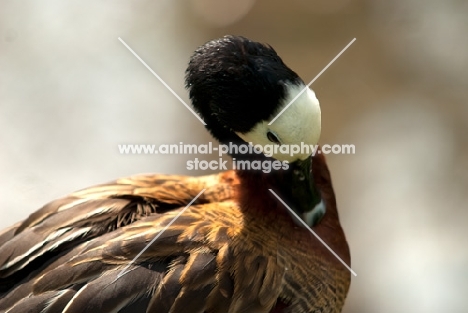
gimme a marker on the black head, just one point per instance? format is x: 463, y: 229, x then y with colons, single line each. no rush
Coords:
x: 234, y: 83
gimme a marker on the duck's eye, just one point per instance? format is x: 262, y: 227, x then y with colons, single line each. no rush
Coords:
x: 273, y: 138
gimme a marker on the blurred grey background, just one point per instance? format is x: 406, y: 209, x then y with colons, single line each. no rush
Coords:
x: 70, y: 92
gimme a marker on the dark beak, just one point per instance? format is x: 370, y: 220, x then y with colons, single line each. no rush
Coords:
x: 306, y: 199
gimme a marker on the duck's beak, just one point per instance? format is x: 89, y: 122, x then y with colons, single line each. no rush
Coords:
x: 308, y: 203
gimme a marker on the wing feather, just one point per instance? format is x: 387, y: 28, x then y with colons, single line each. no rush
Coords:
x: 110, y: 293
x: 168, y: 289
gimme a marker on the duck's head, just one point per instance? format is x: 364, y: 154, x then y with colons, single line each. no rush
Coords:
x: 239, y: 86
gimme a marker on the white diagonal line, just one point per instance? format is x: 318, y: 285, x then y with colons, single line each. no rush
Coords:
x: 313, y: 233
x: 158, y: 235
x: 315, y: 78
x: 162, y: 81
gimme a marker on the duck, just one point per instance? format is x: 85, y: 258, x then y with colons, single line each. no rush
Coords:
x: 219, y: 243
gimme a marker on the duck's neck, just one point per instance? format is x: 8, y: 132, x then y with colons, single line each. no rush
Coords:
x: 254, y: 195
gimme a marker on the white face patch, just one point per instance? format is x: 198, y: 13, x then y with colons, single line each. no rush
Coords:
x: 299, y: 125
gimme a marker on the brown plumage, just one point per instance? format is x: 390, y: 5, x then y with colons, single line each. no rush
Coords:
x: 221, y: 255
x: 236, y: 249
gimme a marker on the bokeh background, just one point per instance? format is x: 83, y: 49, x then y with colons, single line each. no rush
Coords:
x: 70, y: 92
